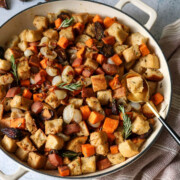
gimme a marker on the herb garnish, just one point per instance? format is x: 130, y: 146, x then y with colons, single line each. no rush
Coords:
x: 126, y: 123
x: 70, y: 87
x: 14, y: 68
x: 69, y: 154
x: 66, y: 23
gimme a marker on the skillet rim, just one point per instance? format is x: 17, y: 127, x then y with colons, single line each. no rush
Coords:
x: 142, y: 152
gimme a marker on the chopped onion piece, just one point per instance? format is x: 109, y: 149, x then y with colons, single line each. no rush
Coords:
x: 77, y: 116
x: 51, y: 71
x: 65, y: 137
x: 56, y: 80
x: 61, y: 94
x: 135, y: 106
x: 28, y: 53
x: 109, y: 61
x: 68, y: 113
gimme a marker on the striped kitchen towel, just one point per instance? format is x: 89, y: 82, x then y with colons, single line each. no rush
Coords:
x: 162, y: 161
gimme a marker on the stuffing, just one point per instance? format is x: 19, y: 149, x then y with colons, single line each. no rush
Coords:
x: 51, y: 34
x: 119, y: 48
x: 9, y: 144
x: 40, y: 22
x: 88, y: 164
x: 140, y: 125
x: 6, y: 79
x: 147, y: 111
x: 81, y: 17
x: 116, y: 158
x: 117, y: 31
x: 150, y: 61
x: 98, y: 82
x: 23, y: 70
x: 132, y: 53
x: 75, y: 167
x: 67, y: 33
x: 136, y: 39
x: 52, y: 100
x: 104, y: 97
x: 153, y: 75
x: 135, y: 84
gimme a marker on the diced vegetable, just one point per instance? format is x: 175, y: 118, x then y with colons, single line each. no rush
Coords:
x: 110, y: 125
x: 13, y: 91
x: 55, y: 159
x: 114, y: 149
x: 88, y: 150
x: 97, y: 18
x: 103, y: 164
x: 109, y: 21
x: 27, y: 94
x: 64, y: 171
x: 95, y: 117
x: 157, y: 98
x: 109, y: 40
x: 18, y: 123
x: 116, y: 59
x: 144, y: 49
x: 63, y: 42
x: 85, y: 112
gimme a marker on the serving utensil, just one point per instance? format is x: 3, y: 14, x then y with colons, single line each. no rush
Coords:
x: 144, y: 97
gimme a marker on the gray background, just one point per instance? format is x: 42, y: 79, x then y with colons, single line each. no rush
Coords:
x: 168, y: 11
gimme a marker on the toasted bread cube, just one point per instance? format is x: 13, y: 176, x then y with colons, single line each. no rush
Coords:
x: 88, y: 164
x: 51, y: 17
x: 119, y: 48
x: 6, y: 101
x: 23, y: 70
x: 94, y: 104
x: 9, y: 144
x: 84, y: 129
x: 118, y: 137
x: 98, y: 82
x: 119, y: 93
x: 81, y: 17
x: 49, y: 166
x: 116, y: 158
x: 5, y: 65
x: 104, y: 97
x: 147, y: 111
x: 138, y: 68
x: 91, y: 63
x: 52, y: 100
x: 15, y: 51
x: 135, y: 84
x: 75, y: 167
x: 6, y: 79
x: 75, y: 144
x: 22, y: 154
x: 76, y: 101
x: 98, y: 138
x: 102, y: 149
x: 39, y: 138
x: 53, y: 126
x: 23, y: 45
x: 85, y: 81
x: 136, y: 39
x: 152, y: 87
x: 40, y: 22
x: 31, y: 35
x: 30, y: 123
x: 67, y: 33
x: 153, y: 75
x: 128, y: 148
x: 36, y: 160
x: 140, y: 125
x: 117, y: 31
x: 150, y: 61
x: 13, y: 41
x: 51, y: 34
x: 21, y: 103
x: 90, y: 30
x: 132, y: 53
x: 54, y: 142
x: 26, y: 144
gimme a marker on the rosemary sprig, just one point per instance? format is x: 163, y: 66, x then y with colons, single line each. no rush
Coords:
x: 66, y: 23
x: 127, y: 126
x: 70, y: 87
x: 14, y: 68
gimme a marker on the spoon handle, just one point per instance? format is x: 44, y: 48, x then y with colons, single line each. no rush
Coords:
x: 168, y: 128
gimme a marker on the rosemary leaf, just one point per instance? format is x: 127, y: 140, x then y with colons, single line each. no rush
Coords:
x: 69, y: 154
x: 14, y: 68
x: 126, y: 123
x: 66, y: 23
x: 70, y: 87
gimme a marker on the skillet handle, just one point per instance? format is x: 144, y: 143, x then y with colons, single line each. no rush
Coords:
x: 19, y: 173
x: 144, y: 7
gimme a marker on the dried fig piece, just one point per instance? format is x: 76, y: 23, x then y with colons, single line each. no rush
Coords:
x: 61, y: 55
x: 106, y: 50
x: 12, y: 133
x: 114, y: 107
x: 99, y: 30
x: 64, y: 15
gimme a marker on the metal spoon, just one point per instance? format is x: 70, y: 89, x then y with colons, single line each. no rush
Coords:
x: 144, y: 97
